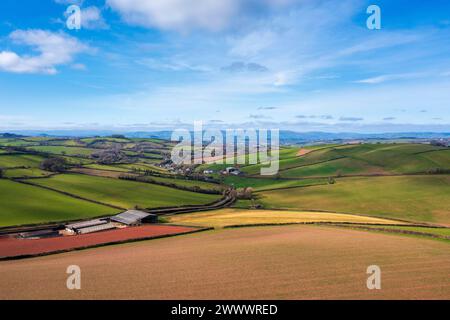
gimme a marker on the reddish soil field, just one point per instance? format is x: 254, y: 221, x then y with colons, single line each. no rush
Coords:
x: 283, y: 262
x: 12, y: 247
x: 302, y: 152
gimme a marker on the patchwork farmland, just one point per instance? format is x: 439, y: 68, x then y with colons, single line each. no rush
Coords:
x: 284, y: 262
x: 334, y: 204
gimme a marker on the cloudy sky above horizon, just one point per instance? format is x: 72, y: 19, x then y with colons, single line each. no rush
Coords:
x: 299, y: 65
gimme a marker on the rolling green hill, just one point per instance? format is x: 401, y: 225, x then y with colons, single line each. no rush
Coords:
x: 63, y: 150
x: 416, y: 198
x: 123, y: 193
x: 362, y: 159
x: 303, y: 181
x: 25, y: 204
x: 20, y: 160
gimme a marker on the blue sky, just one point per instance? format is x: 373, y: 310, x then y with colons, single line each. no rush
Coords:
x: 300, y: 65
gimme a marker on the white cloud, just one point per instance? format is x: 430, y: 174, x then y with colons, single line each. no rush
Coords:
x: 171, y: 65
x: 182, y: 15
x: 252, y: 43
x: 91, y: 18
x: 389, y: 77
x: 52, y: 49
x: 176, y: 14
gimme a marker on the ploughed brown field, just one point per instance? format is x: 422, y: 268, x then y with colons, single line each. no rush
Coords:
x: 14, y: 247
x: 281, y: 262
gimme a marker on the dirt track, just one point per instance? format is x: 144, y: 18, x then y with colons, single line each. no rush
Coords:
x: 289, y: 262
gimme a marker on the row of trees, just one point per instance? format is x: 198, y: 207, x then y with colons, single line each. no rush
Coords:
x: 54, y: 164
x: 170, y: 184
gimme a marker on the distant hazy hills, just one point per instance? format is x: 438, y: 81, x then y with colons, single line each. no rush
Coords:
x: 285, y: 136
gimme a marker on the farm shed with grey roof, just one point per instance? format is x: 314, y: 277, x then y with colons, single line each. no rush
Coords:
x: 84, y: 224
x: 132, y: 217
x: 100, y: 227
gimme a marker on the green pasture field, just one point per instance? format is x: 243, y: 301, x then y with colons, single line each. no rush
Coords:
x: 126, y: 167
x: 123, y: 193
x: 109, y: 139
x: 38, y: 139
x: 20, y: 160
x: 141, y: 166
x: 362, y: 159
x: 399, y: 158
x: 149, y: 161
x: 25, y: 173
x: 63, y: 150
x: 76, y: 160
x: 106, y: 167
x: 416, y: 198
x: 16, y: 143
x: 260, y: 184
x: 25, y: 204
x: 342, y: 166
x: 67, y: 142
x: 315, y: 156
x: 186, y: 183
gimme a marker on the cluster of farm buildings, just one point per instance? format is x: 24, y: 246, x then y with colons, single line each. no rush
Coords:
x: 122, y: 220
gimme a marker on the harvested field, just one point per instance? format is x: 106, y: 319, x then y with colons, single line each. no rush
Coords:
x: 234, y: 217
x: 13, y: 247
x: 289, y: 262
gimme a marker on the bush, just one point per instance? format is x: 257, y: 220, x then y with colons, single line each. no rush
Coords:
x: 1, y: 173
x: 244, y: 193
x: 54, y: 165
x: 163, y: 220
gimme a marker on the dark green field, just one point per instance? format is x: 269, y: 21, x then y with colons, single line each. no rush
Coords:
x: 123, y: 193
x: 414, y: 198
x: 390, y: 180
x: 21, y: 158
x: 362, y: 159
x: 24, y: 204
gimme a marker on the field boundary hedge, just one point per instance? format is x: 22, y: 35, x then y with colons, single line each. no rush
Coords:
x: 271, y: 224
x: 408, y: 232
x: 145, y: 179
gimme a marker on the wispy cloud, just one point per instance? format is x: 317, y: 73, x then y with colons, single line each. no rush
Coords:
x: 176, y: 14
x: 91, y: 18
x: 351, y: 119
x: 258, y: 116
x: 267, y: 108
x: 322, y: 117
x: 390, y: 77
x: 239, y: 66
x: 52, y: 49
